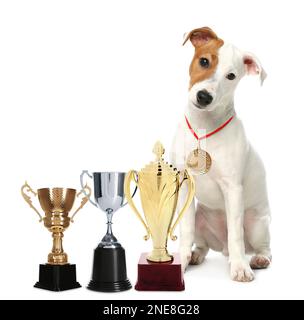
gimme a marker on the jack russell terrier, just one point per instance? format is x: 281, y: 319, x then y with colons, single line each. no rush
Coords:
x: 232, y: 214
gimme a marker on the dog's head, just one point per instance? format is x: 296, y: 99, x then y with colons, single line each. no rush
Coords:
x: 216, y: 69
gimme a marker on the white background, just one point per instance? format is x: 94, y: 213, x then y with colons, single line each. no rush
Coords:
x: 93, y: 84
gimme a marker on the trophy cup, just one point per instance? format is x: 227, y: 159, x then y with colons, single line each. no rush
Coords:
x: 159, y: 185
x: 109, y: 264
x: 57, y: 274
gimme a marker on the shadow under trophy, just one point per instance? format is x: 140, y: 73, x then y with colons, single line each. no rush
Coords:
x: 109, y: 264
x: 159, y: 185
x: 57, y: 274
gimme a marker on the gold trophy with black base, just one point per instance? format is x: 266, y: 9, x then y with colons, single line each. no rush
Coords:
x: 57, y: 274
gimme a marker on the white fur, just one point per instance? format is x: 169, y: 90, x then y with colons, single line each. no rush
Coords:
x: 232, y: 213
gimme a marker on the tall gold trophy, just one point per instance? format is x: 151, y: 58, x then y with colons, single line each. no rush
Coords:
x: 159, y: 184
x: 57, y: 274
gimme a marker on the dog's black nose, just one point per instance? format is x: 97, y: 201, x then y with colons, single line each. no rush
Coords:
x: 204, y: 98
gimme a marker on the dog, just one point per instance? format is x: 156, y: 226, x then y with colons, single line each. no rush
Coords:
x: 232, y: 214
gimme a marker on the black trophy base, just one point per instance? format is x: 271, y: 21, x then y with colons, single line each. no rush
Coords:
x: 110, y: 286
x: 109, y: 270
x: 57, y: 277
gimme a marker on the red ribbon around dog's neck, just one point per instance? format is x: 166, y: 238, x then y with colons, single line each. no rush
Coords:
x: 210, y: 133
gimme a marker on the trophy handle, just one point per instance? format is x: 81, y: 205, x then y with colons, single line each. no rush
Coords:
x: 191, y: 190
x: 26, y: 188
x: 132, y: 195
x: 132, y: 175
x: 84, y: 200
x: 86, y: 172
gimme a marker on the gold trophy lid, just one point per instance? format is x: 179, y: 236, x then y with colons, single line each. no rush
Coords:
x: 159, y: 166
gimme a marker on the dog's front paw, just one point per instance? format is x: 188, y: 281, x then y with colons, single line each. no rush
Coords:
x: 241, y: 271
x: 198, y: 256
x: 185, y: 254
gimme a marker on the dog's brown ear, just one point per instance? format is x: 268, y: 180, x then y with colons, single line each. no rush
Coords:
x: 200, y: 36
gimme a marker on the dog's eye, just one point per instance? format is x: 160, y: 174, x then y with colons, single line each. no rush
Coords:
x: 231, y: 76
x: 204, y: 62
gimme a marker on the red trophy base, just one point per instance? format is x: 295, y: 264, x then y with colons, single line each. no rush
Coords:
x: 164, y: 276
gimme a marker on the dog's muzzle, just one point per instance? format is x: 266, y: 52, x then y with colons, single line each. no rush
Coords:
x: 203, y: 98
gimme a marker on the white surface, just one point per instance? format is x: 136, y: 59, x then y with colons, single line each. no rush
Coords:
x: 93, y: 84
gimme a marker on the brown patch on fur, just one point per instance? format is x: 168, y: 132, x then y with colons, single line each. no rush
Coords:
x: 206, y: 45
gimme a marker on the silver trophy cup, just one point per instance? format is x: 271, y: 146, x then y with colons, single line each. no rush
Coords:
x: 109, y: 265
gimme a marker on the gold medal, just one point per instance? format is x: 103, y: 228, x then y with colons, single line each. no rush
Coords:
x: 199, y: 161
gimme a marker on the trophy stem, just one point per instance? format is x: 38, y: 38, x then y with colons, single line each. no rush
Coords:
x: 109, y: 223
x: 109, y: 239
x: 57, y: 256
x: 57, y: 243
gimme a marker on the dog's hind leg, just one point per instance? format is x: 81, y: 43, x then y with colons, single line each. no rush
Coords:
x: 258, y: 236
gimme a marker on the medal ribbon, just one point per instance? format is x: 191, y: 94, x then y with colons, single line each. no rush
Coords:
x: 210, y: 133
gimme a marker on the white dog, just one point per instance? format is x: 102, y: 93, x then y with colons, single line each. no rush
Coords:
x: 232, y: 213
